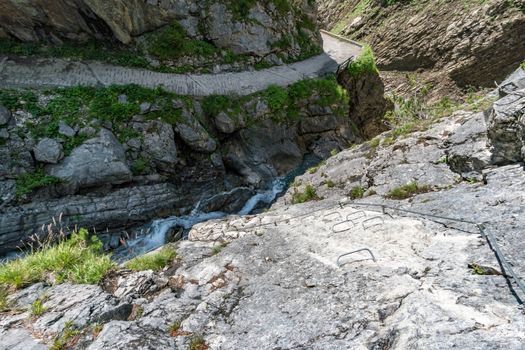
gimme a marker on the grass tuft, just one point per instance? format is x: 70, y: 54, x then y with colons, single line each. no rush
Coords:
x: 357, y: 192
x: 4, y: 303
x: 197, y: 342
x: 363, y: 64
x: 309, y: 194
x: 64, y: 340
x: 217, y: 249
x: 155, y: 261
x: 28, y: 182
x: 407, y: 191
x: 78, y: 259
x: 37, y: 307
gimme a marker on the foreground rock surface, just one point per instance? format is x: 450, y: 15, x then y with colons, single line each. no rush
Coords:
x: 280, y: 286
x: 282, y: 281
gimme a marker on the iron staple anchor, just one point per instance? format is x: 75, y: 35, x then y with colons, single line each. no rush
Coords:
x: 356, y: 251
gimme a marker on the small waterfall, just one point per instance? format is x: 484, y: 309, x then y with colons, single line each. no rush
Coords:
x: 158, y: 229
x: 267, y: 197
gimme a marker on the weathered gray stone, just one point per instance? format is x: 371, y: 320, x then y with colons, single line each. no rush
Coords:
x: 87, y: 131
x: 194, y: 134
x: 506, y: 128
x: 225, y: 123
x: 7, y: 192
x: 122, y: 99
x: 80, y: 305
x: 5, y: 116
x: 66, y: 130
x: 96, y: 162
x: 158, y: 144
x: 48, y: 151
x: 145, y: 107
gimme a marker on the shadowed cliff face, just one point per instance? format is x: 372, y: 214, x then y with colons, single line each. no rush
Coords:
x: 472, y: 44
x: 257, y: 28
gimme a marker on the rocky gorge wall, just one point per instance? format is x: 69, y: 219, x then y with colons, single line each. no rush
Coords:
x: 471, y: 43
x: 166, y: 35
x: 113, y: 157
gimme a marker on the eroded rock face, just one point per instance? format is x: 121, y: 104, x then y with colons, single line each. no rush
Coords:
x: 473, y: 45
x: 367, y: 102
x: 254, y: 30
x: 286, y: 280
x: 506, y: 128
x: 98, y: 161
x: 48, y: 151
x: 157, y: 168
x: 283, y: 279
x: 194, y: 134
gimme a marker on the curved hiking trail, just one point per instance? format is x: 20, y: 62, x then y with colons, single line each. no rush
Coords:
x: 28, y: 72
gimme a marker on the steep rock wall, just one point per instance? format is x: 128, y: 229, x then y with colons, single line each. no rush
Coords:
x: 287, y: 28
x: 474, y: 44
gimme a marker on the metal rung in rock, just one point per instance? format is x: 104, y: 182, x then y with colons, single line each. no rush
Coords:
x: 356, y: 251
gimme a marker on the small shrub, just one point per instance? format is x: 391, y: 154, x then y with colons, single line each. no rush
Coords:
x: 313, y: 170
x: 37, y: 307
x: 309, y: 194
x: 277, y: 97
x: 62, y: 341
x: 97, y: 328
x: 333, y: 152
x: 374, y: 143
x: 217, y: 249
x: 27, y: 183
x: 78, y: 259
x: 4, y: 303
x: 139, y: 166
x: 330, y: 184
x: 174, y: 328
x: 154, y: 261
x: 357, y: 192
x: 197, y: 342
x: 363, y: 64
x: 407, y: 191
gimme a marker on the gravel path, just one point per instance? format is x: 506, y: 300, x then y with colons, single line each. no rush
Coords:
x: 18, y: 72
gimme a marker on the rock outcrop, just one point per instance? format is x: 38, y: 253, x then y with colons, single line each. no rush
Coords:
x: 471, y: 44
x: 269, y: 31
x: 368, y: 104
x: 98, y: 161
x: 161, y: 160
x: 468, y: 166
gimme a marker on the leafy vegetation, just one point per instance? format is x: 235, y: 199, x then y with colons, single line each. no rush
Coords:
x: 28, y: 182
x: 174, y: 328
x: 309, y: 194
x: 408, y: 190
x: 364, y: 64
x: 173, y: 42
x: 153, y: 261
x: 86, y: 106
x: 4, y: 303
x: 285, y: 103
x: 78, y: 259
x: 37, y: 307
x: 330, y: 184
x: 357, y: 192
x: 197, y: 342
x: 414, y: 114
x: 217, y: 249
x: 62, y: 341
